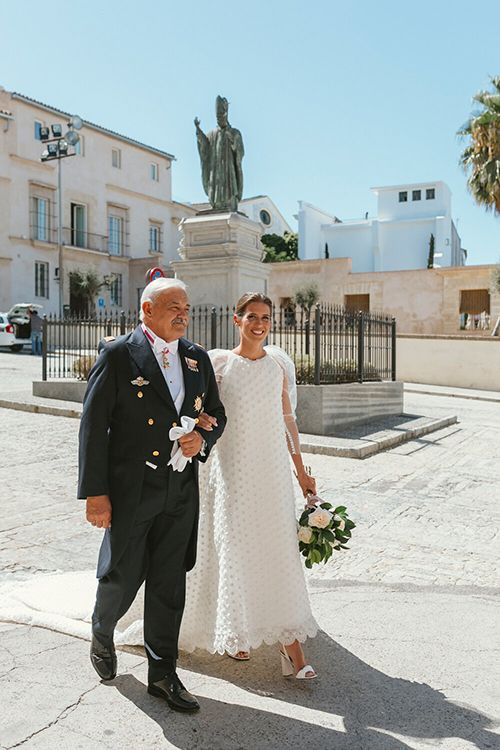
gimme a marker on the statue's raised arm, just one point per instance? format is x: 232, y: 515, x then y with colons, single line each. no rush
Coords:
x: 221, y: 153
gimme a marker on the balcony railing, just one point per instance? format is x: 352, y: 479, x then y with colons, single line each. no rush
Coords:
x: 77, y: 238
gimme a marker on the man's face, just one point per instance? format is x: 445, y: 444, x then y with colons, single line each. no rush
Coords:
x: 222, y: 119
x: 168, y: 315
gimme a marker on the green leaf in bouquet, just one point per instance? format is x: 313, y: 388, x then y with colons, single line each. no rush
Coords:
x: 316, y: 556
x: 343, y: 546
x: 340, y: 510
x: 350, y: 524
x: 328, y: 553
x: 325, y: 505
x: 308, y: 564
x: 328, y: 535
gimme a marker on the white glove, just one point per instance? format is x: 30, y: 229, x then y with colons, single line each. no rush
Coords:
x: 178, y: 460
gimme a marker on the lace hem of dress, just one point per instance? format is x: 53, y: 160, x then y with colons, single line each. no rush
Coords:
x: 230, y: 643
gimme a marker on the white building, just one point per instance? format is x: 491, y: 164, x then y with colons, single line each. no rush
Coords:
x: 396, y: 239
x: 118, y: 216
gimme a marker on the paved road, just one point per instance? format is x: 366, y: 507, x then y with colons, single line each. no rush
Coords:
x: 409, y: 615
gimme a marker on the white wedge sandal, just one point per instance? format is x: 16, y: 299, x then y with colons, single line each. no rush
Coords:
x: 288, y: 668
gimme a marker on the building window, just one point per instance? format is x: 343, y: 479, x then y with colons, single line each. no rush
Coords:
x: 115, y: 290
x: 78, y: 225
x: 40, y: 219
x: 403, y: 196
x: 38, y: 126
x: 154, y: 238
x: 357, y: 302
x: 416, y: 195
x: 80, y: 146
x: 430, y: 194
x: 115, y: 235
x: 474, y: 309
x: 265, y: 217
x: 41, y: 279
x: 116, y: 158
x: 154, y: 171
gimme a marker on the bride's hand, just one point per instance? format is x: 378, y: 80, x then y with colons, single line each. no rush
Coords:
x: 206, y: 422
x: 307, y: 484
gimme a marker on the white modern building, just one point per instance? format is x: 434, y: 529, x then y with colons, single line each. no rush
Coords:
x: 118, y: 217
x: 397, y: 238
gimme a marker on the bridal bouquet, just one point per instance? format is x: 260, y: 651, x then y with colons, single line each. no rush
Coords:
x: 322, y: 529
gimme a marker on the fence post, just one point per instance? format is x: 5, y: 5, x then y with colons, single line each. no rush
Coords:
x: 213, y: 328
x: 44, y: 348
x: 317, y: 346
x: 361, y: 346
x: 393, y: 349
x: 122, y: 323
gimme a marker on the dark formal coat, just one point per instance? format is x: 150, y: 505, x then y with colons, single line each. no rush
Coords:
x: 127, y: 414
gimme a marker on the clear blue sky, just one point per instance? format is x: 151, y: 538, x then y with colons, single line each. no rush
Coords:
x: 331, y: 97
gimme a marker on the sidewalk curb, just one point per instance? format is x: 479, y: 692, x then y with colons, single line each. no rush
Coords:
x: 376, y: 446
x: 454, y: 395
x: 55, y: 411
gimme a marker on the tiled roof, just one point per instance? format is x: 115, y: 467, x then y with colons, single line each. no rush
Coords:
x: 29, y: 100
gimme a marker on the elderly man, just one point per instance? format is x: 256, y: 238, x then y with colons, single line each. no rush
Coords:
x: 142, y: 384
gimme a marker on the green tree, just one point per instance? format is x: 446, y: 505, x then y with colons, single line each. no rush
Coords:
x: 306, y: 297
x: 430, y: 259
x: 84, y: 287
x: 481, y: 157
x: 278, y: 249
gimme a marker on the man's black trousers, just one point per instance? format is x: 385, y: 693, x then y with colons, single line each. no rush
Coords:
x: 156, y: 554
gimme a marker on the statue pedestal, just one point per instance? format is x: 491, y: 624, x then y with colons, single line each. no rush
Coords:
x: 220, y: 258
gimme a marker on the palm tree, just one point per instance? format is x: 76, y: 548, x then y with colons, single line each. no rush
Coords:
x: 481, y: 157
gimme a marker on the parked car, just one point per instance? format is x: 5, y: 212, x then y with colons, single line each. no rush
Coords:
x: 15, y: 326
x: 7, y: 335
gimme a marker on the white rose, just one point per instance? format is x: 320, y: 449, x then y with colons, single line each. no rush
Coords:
x: 320, y: 518
x: 340, y: 521
x: 305, y: 534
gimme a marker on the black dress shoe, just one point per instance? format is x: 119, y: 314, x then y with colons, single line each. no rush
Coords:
x: 103, y: 659
x: 173, y: 691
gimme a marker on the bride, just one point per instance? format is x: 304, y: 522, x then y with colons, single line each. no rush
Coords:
x: 248, y: 586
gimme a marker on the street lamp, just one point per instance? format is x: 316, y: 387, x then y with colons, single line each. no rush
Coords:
x: 58, y: 147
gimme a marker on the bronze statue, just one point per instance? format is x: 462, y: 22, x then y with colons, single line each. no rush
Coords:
x: 221, y: 153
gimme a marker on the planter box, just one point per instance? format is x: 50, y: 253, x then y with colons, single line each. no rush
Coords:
x: 323, y: 409
x: 63, y: 390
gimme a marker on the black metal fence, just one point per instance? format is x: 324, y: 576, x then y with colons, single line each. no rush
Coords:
x: 329, y: 345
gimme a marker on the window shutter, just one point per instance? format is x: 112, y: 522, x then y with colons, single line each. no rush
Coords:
x: 475, y: 301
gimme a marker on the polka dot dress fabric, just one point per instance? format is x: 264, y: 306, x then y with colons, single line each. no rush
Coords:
x: 248, y: 586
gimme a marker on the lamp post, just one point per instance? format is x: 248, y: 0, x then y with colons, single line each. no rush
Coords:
x: 58, y: 147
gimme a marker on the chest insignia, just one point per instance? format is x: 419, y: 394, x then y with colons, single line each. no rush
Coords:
x: 192, y: 364
x: 140, y: 381
x: 198, y: 403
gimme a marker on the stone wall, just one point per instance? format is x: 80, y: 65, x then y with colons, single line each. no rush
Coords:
x: 460, y: 361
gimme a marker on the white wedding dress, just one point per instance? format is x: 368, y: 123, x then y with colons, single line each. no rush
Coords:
x: 248, y: 585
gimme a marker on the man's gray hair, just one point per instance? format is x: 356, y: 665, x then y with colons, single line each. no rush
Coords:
x: 156, y: 287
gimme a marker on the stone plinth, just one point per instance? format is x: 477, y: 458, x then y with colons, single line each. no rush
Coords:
x: 220, y: 258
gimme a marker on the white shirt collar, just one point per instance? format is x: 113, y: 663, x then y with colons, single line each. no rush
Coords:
x: 158, y: 344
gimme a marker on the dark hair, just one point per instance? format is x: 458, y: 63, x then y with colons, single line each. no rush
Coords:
x: 250, y: 297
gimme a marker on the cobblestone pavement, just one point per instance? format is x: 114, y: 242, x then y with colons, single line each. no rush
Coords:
x: 407, y: 651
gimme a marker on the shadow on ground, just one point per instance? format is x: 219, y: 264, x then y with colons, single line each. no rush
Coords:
x: 369, y: 702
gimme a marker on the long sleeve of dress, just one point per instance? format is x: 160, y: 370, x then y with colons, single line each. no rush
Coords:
x: 291, y: 429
